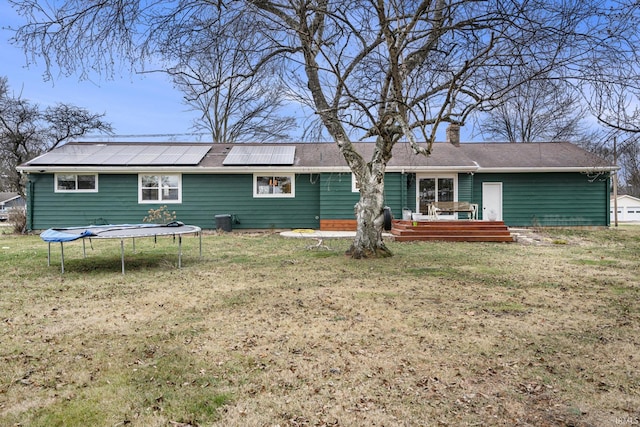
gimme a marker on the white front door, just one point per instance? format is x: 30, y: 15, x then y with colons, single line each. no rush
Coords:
x: 492, y: 201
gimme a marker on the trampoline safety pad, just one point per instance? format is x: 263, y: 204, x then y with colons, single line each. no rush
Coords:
x: 117, y: 231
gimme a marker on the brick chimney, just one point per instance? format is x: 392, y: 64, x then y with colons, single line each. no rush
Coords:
x: 453, y: 134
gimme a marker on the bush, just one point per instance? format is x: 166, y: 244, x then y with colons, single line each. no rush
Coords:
x: 160, y: 215
x: 18, y: 218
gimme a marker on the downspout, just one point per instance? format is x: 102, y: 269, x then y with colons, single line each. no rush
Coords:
x: 30, y: 205
x: 403, y: 191
x: 612, y: 177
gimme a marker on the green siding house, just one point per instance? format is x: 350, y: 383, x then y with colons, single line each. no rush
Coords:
x: 309, y: 185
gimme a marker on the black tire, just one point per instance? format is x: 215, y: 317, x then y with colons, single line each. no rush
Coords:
x: 388, y: 217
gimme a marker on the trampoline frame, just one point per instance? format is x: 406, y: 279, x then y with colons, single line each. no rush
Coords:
x: 123, y: 232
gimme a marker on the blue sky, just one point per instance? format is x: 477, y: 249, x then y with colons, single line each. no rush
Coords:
x: 134, y: 104
x: 142, y: 105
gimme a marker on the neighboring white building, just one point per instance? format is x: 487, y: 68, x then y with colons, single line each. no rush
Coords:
x: 628, y: 209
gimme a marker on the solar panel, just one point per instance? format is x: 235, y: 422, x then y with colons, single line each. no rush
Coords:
x: 242, y: 155
x: 124, y: 154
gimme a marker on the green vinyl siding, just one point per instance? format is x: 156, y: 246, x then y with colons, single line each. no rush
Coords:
x: 529, y: 199
x: 115, y: 202
x: 203, y: 197
x: 549, y: 199
x: 465, y: 187
x: 395, y: 193
x: 410, y: 200
x: 337, y: 200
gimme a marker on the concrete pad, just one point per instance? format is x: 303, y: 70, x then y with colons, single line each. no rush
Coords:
x: 317, y: 234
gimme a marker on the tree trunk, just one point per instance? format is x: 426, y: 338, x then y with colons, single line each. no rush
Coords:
x: 369, y: 213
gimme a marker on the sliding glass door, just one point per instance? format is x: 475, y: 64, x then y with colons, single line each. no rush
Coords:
x: 435, y: 189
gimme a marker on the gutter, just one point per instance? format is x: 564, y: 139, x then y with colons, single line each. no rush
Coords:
x: 305, y: 169
x: 550, y: 169
x: 229, y: 169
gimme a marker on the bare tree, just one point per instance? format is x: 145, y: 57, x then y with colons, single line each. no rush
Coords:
x: 610, y: 82
x: 383, y: 71
x: 614, y: 97
x: 629, y: 161
x: 27, y: 131
x: 64, y: 122
x: 538, y: 110
x: 20, y: 138
x: 209, y: 70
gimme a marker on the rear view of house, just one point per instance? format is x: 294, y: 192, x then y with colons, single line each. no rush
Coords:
x: 309, y: 185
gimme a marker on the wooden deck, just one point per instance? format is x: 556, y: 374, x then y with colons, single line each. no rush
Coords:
x: 338, y: 225
x: 452, y: 231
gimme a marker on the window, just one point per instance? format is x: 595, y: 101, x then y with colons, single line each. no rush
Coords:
x: 160, y: 188
x: 76, y: 183
x: 435, y: 189
x: 273, y: 186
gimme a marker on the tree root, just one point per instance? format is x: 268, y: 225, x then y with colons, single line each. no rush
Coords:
x: 379, y: 251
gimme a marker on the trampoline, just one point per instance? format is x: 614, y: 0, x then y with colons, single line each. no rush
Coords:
x: 117, y: 231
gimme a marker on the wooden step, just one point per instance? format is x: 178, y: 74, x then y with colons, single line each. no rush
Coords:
x: 454, y: 232
x: 460, y: 230
x: 450, y: 238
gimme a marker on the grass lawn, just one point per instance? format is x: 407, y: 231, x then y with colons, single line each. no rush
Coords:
x: 263, y: 331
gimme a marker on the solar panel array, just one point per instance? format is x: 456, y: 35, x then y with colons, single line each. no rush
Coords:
x: 124, y: 154
x: 245, y: 155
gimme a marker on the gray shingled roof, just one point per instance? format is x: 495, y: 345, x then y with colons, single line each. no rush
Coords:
x: 537, y: 155
x: 327, y: 155
x: 321, y: 156
x: 6, y: 196
x: 444, y: 155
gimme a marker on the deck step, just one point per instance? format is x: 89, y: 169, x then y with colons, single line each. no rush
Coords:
x: 452, y: 231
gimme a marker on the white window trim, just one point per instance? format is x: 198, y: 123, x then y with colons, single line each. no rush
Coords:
x: 354, y: 184
x: 171, y: 201
x: 291, y: 176
x: 82, y: 190
x: 436, y: 176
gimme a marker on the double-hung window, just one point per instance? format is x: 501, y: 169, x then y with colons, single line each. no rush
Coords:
x: 69, y: 182
x: 160, y: 188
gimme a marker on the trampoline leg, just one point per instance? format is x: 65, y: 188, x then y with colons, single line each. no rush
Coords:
x: 200, y: 234
x: 133, y: 240
x: 122, y: 254
x: 179, y: 251
x: 49, y: 255
x: 84, y: 250
x: 61, y: 258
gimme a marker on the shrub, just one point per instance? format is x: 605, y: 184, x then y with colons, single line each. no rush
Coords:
x: 160, y: 215
x: 18, y: 217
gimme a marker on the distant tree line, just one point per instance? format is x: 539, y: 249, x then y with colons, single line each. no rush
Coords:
x: 552, y: 110
x: 28, y: 130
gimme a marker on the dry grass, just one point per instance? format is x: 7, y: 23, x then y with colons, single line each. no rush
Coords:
x: 264, y: 332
